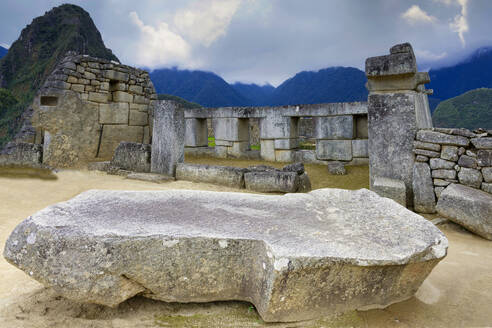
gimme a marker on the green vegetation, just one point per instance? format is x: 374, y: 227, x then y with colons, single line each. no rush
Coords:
x: 211, y: 141
x: 470, y: 110
x: 183, y: 102
x: 9, y: 115
x: 34, y: 55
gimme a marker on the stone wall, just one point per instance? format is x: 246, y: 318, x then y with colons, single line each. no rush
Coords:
x: 339, y: 129
x: 88, y: 106
x: 446, y: 156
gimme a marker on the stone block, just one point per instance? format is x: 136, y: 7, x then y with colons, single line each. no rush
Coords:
x: 89, y: 75
x: 113, y: 113
x: 426, y: 146
x: 334, y: 127
x: 78, y: 87
x: 484, y: 157
x: 441, y: 183
x: 139, y: 107
x: 141, y: 100
x: 438, y: 163
x: 267, y: 150
x: 276, y: 126
x: 399, y: 63
x: 72, y: 79
x: 284, y: 156
x: 421, y: 158
x: 470, y: 177
x: 467, y: 161
x: 99, y: 166
x: 21, y: 154
x: 132, y: 157
x: 226, y: 143
x: 116, y: 75
x: 238, y: 149
x: 152, y: 240
x: 221, y: 151
x: 231, y: 129
x: 360, y: 148
x: 222, y: 175
x: 113, y: 135
x: 487, y: 174
x: 168, y: 137
x: 118, y: 86
x: 449, y: 153
x: 146, y: 137
x: 444, y: 174
x: 138, y: 118
x: 136, y: 89
x: 442, y: 138
x: 98, y: 97
x: 487, y: 187
x: 336, y: 168
x: 424, y: 198
x: 121, y: 96
x: 482, y: 143
x: 337, y: 150
x: 272, y: 181
x: 468, y: 207
x: 391, y: 188
x: 149, y: 177
x: 438, y: 191
x: 196, y: 134
x: 286, y: 143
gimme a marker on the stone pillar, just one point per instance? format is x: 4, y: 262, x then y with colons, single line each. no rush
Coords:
x: 231, y: 136
x: 397, y: 108
x: 278, y: 137
x: 196, y: 134
x: 334, y: 136
x: 167, y: 137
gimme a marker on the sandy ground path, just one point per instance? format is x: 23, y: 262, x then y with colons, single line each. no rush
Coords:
x: 458, y: 293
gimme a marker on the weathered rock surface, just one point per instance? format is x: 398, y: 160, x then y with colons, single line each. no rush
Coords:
x: 441, y: 138
x: 470, y: 177
x: 391, y: 188
x: 21, y: 154
x: 150, y: 177
x: 132, y: 157
x: 336, y: 168
x: 272, y: 181
x: 468, y: 207
x: 222, y: 175
x: 295, y: 257
x: 424, y: 199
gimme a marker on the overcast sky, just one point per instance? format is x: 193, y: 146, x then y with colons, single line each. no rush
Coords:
x: 270, y: 40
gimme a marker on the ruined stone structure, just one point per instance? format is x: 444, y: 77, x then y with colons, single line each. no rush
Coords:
x: 87, y: 106
x: 397, y: 108
x: 450, y: 156
x: 340, y: 130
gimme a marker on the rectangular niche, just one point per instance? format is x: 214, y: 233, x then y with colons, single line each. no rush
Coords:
x: 49, y: 101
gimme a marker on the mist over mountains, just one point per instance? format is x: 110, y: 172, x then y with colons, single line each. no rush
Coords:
x: 334, y: 84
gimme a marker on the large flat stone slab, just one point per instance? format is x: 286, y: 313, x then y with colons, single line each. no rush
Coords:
x: 468, y: 207
x: 295, y: 257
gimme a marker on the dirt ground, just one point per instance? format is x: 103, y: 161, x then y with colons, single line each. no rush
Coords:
x: 458, y: 293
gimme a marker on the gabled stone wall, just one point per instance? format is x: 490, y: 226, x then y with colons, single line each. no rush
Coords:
x: 88, y: 106
x: 446, y: 156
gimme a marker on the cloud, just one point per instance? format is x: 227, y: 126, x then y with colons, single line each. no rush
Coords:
x: 159, y: 46
x: 415, y: 14
x: 206, y: 21
x: 427, y: 55
x: 6, y: 46
x: 460, y: 23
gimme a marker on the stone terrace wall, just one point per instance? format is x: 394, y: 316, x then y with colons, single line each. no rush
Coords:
x: 445, y: 156
x: 340, y: 131
x: 88, y: 106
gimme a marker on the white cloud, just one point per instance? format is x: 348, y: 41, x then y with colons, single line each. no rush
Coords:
x: 415, y: 14
x: 460, y: 23
x: 207, y: 20
x: 159, y: 46
x: 427, y: 55
x: 6, y: 46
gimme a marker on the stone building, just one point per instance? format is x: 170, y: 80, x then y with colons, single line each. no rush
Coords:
x: 87, y: 106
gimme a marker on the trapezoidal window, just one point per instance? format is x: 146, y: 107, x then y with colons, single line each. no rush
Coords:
x: 49, y: 101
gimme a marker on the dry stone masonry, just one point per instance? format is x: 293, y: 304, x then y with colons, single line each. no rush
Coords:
x: 340, y: 132
x: 450, y: 156
x: 295, y: 257
x: 87, y: 106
